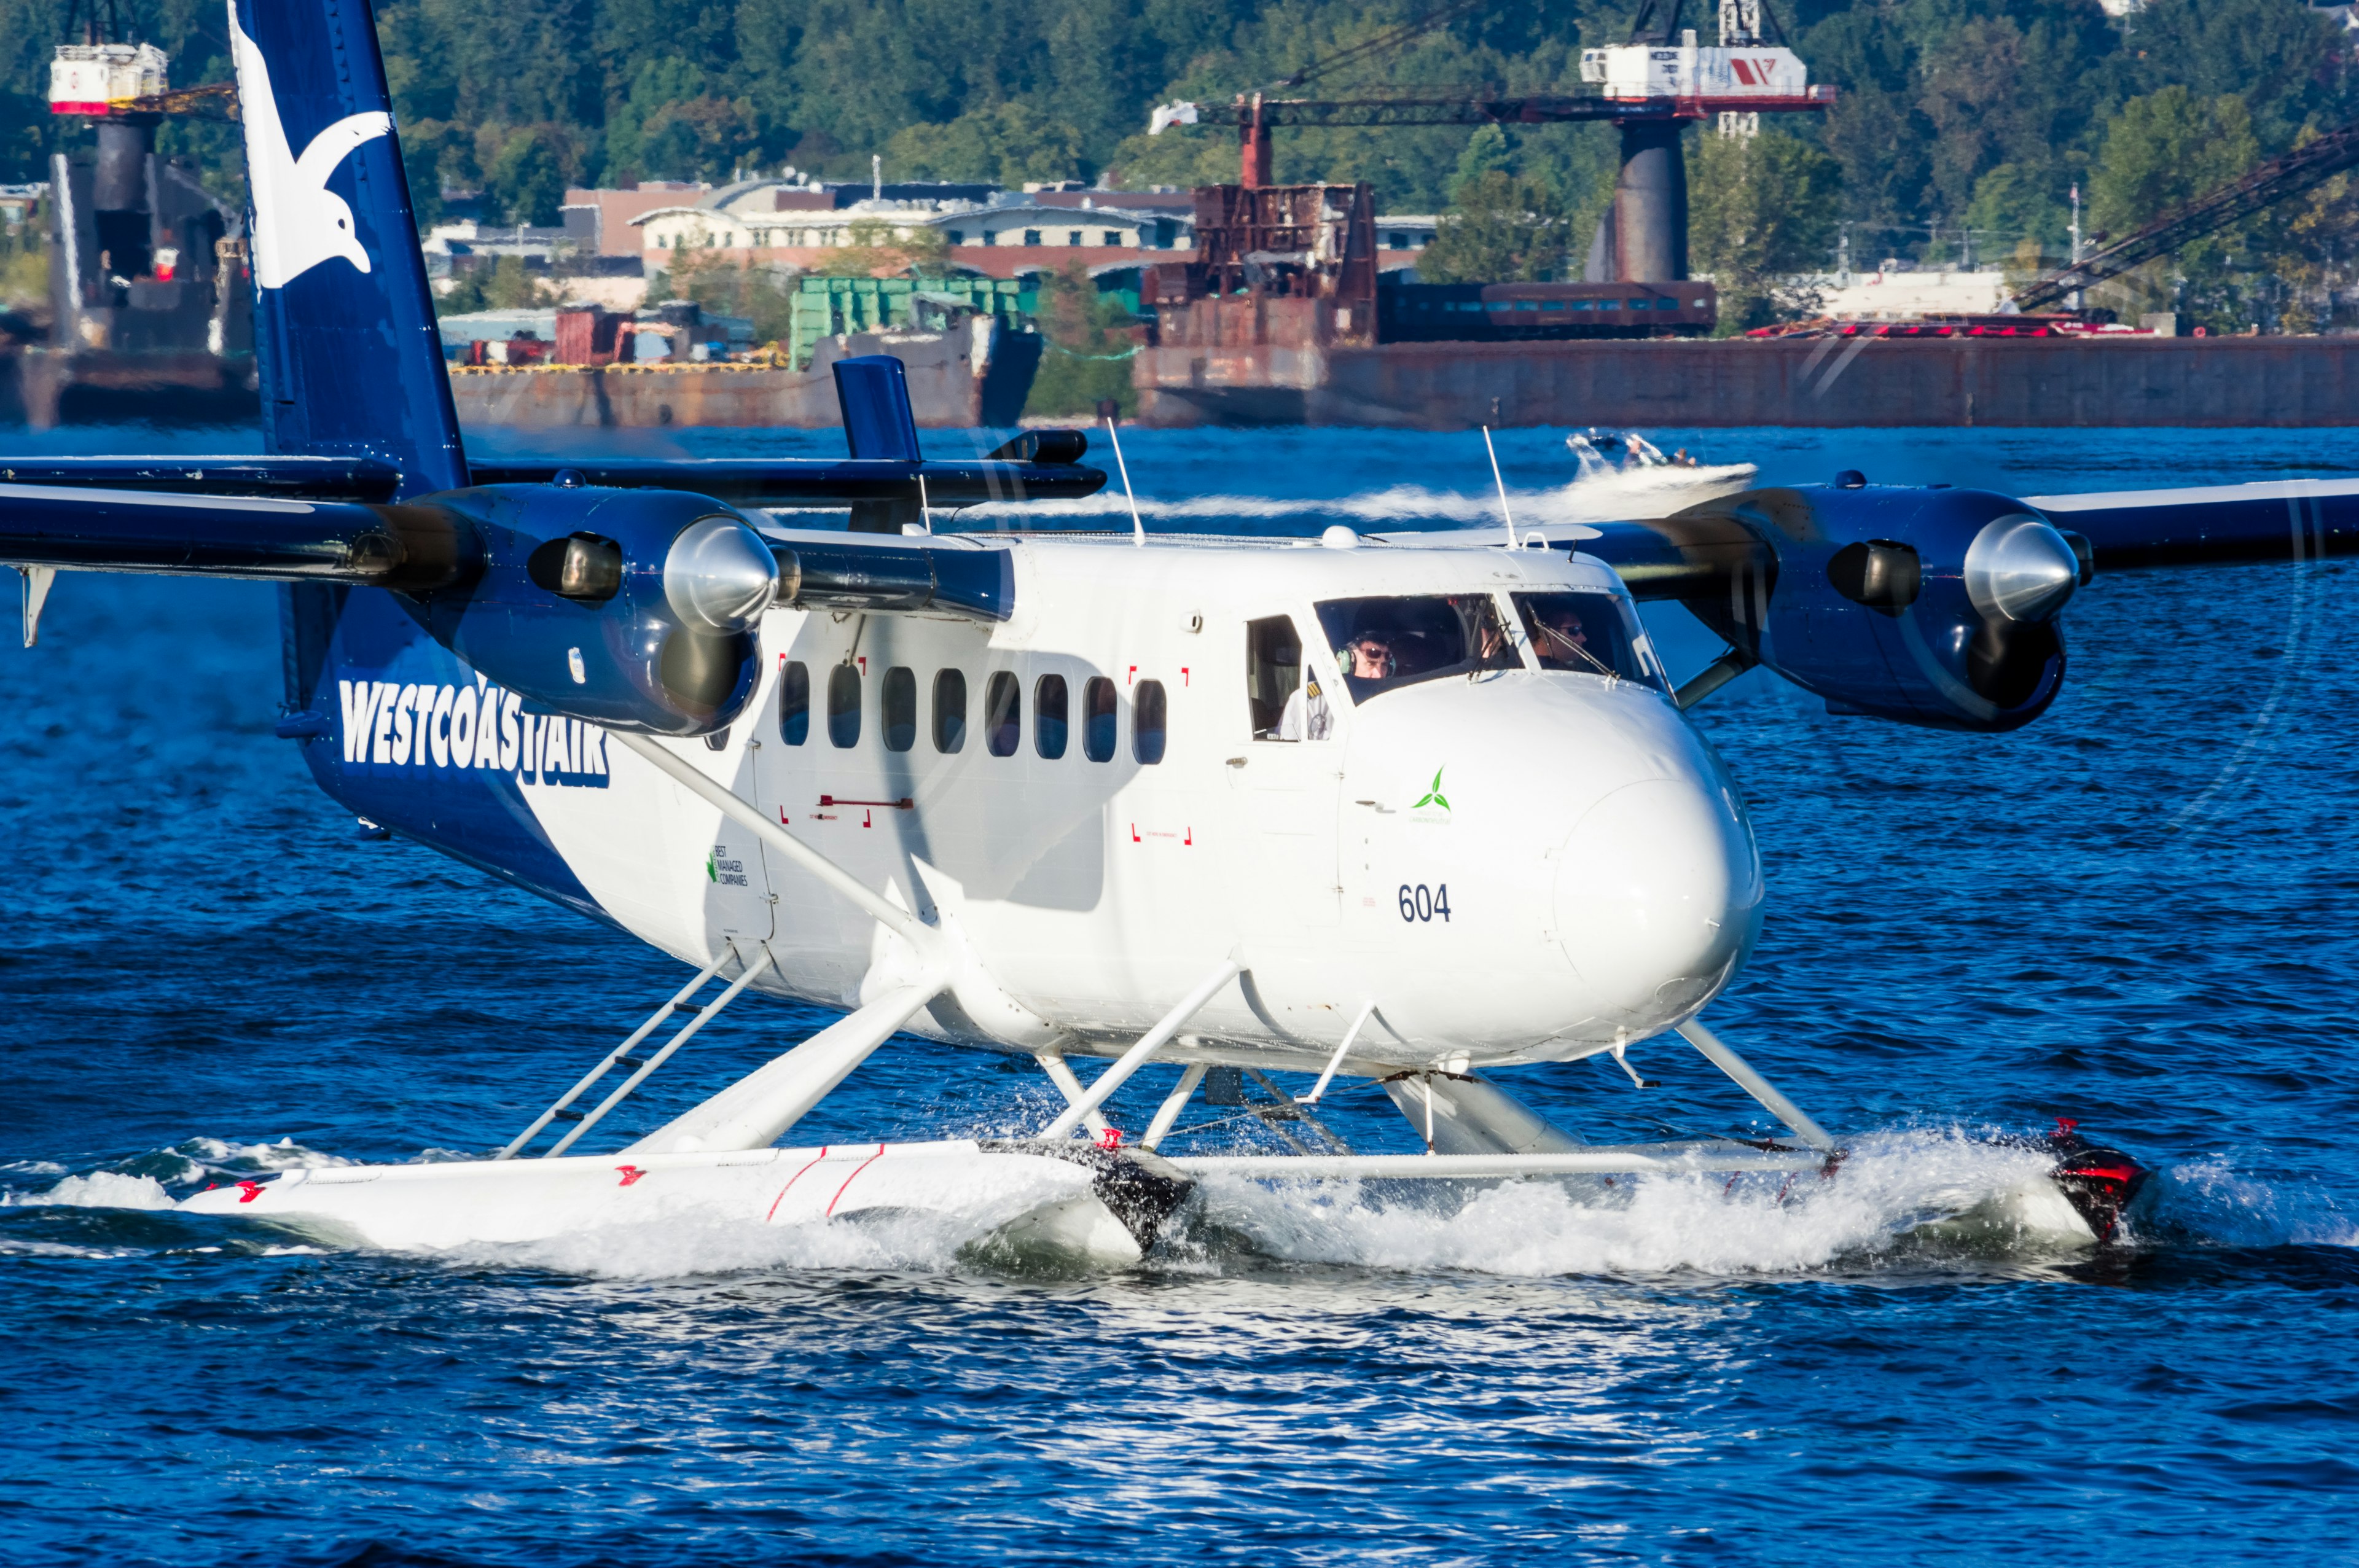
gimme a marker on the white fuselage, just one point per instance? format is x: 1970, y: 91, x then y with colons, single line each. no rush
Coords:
x: 1518, y: 865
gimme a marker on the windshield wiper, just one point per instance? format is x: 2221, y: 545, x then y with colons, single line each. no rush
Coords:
x: 1552, y: 634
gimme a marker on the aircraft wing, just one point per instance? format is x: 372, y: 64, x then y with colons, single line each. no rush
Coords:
x: 779, y: 481
x: 2272, y: 519
x: 271, y: 537
x: 326, y: 478
x: 1700, y: 550
x: 815, y: 481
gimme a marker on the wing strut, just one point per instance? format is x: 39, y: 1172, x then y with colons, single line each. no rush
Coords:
x: 758, y: 1109
x: 38, y: 580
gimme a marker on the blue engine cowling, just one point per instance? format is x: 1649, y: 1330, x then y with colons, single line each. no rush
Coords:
x: 634, y: 610
x: 1927, y: 606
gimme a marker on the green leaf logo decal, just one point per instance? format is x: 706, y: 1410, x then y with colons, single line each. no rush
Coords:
x: 1433, y: 795
x: 710, y: 873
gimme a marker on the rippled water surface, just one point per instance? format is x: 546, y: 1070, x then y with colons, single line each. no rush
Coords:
x: 2139, y: 912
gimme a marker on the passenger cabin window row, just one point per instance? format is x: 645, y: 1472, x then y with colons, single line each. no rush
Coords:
x: 1003, y: 713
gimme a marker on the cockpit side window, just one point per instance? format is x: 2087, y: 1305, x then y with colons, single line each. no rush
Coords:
x: 1589, y: 634
x: 1273, y: 671
x: 1386, y: 644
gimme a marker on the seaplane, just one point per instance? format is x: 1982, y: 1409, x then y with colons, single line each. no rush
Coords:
x: 1413, y: 809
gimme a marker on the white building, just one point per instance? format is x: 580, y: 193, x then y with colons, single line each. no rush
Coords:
x: 773, y: 216
x: 1403, y: 236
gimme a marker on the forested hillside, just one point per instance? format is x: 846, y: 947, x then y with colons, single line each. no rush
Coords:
x: 1955, y: 115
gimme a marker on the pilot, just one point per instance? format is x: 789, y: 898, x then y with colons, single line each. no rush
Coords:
x: 1563, y: 639
x: 1368, y: 657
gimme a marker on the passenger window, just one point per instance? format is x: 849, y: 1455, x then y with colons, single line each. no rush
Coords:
x: 1049, y: 717
x: 844, y: 706
x: 1003, y: 714
x: 1272, y: 672
x: 794, y: 703
x: 949, y: 710
x: 1098, y: 720
x: 1147, y: 722
x: 900, y: 708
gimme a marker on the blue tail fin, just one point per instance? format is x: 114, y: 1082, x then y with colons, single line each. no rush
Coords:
x: 350, y: 363
x: 873, y: 392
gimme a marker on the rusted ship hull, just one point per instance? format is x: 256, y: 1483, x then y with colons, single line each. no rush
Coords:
x: 2119, y: 381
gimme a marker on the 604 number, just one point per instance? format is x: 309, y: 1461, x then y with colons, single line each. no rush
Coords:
x: 1422, y: 904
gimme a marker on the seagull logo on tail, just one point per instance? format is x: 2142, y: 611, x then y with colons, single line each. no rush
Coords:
x: 298, y: 222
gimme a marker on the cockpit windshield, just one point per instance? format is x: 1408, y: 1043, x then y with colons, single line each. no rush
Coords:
x: 1386, y: 644
x: 1593, y: 634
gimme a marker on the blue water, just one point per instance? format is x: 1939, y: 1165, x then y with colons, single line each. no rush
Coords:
x: 2139, y: 912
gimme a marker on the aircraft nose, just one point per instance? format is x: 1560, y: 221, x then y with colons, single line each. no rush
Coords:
x: 1658, y: 898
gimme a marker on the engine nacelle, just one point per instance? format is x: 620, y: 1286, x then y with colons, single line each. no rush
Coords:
x: 1929, y: 606
x: 634, y: 610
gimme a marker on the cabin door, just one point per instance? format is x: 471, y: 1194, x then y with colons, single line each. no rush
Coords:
x: 1284, y: 784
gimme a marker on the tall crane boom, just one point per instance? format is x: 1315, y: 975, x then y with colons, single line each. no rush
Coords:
x: 2312, y: 164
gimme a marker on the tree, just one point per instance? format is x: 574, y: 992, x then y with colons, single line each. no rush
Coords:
x: 725, y: 287
x: 1760, y: 209
x: 1499, y: 229
x: 2016, y: 204
x: 2161, y: 151
x: 698, y: 138
x: 875, y: 250
x: 1008, y: 143
x: 1086, y: 350
x: 1486, y: 153
x: 526, y: 181
x: 2284, y: 62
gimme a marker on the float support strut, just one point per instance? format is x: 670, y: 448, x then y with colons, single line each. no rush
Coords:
x: 1139, y: 1055
x: 1753, y: 1084
x: 1061, y: 1074
x: 1177, y: 1101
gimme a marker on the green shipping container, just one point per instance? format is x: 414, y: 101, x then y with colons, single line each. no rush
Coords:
x: 833, y: 307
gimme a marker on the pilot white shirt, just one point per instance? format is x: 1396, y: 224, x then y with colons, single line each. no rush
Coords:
x: 1307, y: 716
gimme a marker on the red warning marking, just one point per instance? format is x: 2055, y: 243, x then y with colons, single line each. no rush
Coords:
x: 1110, y: 1139
x: 1190, y: 838
x: 851, y: 1178
x: 790, y: 1186
x: 1134, y: 674
x: 903, y: 804
x: 782, y: 817
x: 248, y: 1191
x: 863, y: 663
x: 1183, y: 675
x: 630, y: 1174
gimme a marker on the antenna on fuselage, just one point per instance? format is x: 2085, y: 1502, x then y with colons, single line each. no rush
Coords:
x: 1502, y: 483
x: 1138, y: 528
